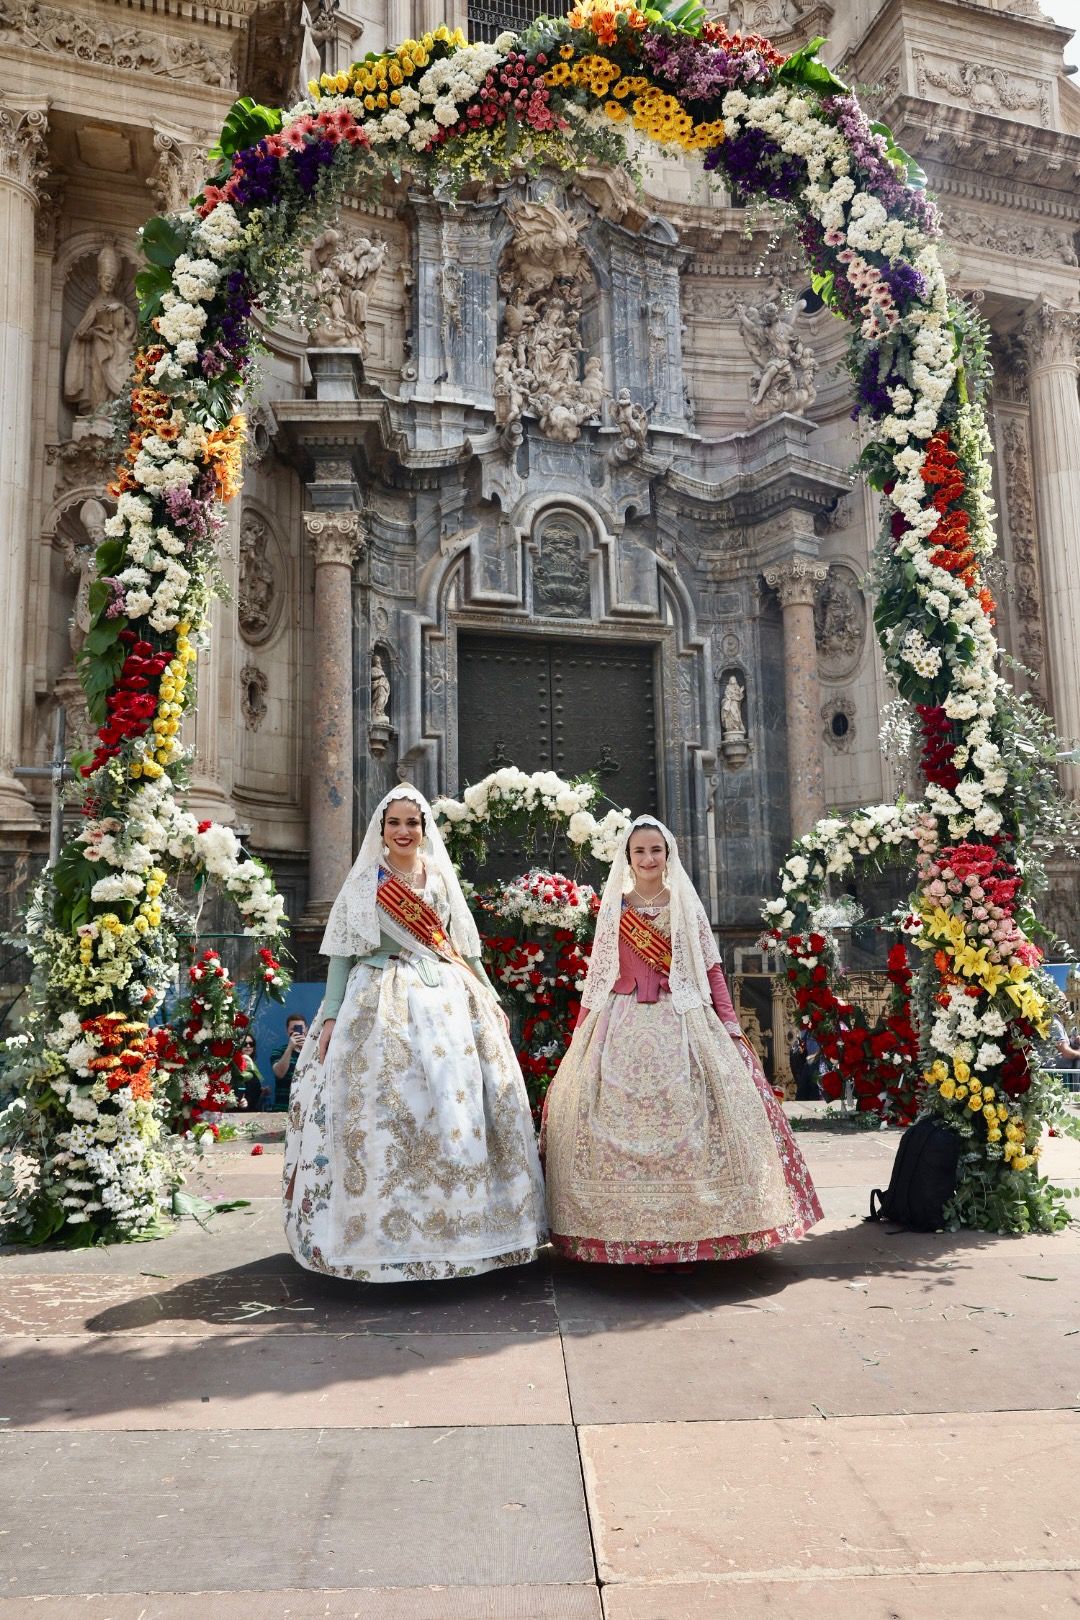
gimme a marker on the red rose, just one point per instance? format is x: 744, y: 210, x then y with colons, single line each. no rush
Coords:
x: 256, y: 1150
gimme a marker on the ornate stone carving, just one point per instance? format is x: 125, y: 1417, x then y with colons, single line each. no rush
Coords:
x: 1021, y: 241
x: 343, y: 265
x: 838, y: 730
x: 766, y: 17
x: 255, y: 594
x: 90, y: 38
x: 561, y: 583
x: 839, y: 622
x: 784, y: 376
x: 1050, y: 335
x: 96, y: 367
x: 253, y: 689
x: 335, y: 537
x: 23, y: 152
x: 734, y: 742
x: 88, y: 459
x: 1026, y: 596
x: 180, y: 172
x: 984, y: 87
x: 632, y: 421
x: 796, y: 581
x: 838, y: 518
x: 79, y: 557
x: 538, y: 360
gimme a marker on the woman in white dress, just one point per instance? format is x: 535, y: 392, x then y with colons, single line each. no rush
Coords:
x: 410, y: 1151
x: 664, y: 1142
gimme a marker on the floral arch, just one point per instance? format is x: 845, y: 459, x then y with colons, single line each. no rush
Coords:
x: 87, y: 1136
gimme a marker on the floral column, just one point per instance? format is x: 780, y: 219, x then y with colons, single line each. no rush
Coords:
x: 22, y: 167
x: 797, y: 582
x: 1051, y: 337
x: 337, y: 540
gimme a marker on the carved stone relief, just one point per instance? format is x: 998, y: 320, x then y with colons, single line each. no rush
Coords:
x: 1026, y: 597
x: 253, y: 689
x: 89, y: 37
x: 96, y: 365
x: 984, y: 87
x: 839, y: 622
x: 538, y: 363
x: 256, y: 603
x: 783, y: 378
x: 561, y: 583
x: 1021, y: 241
x: 180, y: 172
x: 343, y: 265
x: 838, y: 717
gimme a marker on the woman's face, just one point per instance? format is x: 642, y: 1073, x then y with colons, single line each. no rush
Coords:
x: 403, y: 827
x: 647, y: 853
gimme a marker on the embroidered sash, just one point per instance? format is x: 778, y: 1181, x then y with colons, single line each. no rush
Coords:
x: 647, y: 942
x: 413, y: 913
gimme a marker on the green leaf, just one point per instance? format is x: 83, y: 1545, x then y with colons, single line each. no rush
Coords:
x: 803, y: 67
x: 162, y: 242
x: 98, y: 596
x: 102, y: 637
x: 109, y: 556
x: 150, y: 287
x: 247, y: 121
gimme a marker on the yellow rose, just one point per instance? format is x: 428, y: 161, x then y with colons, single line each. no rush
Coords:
x: 961, y: 1070
x: 395, y: 73
x: 989, y: 1111
x: 141, y: 925
x: 989, y: 1094
x: 948, y: 1089
x: 961, y: 1093
x: 341, y: 83
x: 313, y: 89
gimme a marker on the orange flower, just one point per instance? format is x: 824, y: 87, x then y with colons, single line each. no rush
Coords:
x: 224, y: 453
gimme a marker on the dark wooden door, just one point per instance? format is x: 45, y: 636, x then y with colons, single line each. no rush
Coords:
x: 567, y: 706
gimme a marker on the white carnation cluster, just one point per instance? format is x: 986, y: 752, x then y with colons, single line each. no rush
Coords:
x: 833, y: 846
x: 509, y: 790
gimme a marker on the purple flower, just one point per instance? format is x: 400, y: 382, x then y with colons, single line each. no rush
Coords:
x: 905, y: 282
x: 309, y: 160
x: 872, y: 391
x: 256, y: 175
x: 756, y: 164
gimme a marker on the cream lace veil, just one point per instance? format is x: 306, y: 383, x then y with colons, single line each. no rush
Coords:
x: 693, y: 948
x: 353, y: 926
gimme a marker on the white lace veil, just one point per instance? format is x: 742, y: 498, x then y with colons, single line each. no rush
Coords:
x: 693, y: 948
x: 353, y: 926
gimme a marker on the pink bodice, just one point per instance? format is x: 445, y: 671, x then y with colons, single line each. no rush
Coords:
x: 636, y: 977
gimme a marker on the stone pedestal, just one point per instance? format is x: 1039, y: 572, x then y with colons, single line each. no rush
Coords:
x: 336, y: 539
x: 1050, y: 336
x: 797, y: 582
x: 22, y: 164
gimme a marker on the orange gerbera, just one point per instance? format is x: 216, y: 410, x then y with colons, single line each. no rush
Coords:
x: 224, y: 453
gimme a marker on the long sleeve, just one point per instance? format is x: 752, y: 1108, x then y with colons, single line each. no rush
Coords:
x: 721, y: 999
x: 337, y: 976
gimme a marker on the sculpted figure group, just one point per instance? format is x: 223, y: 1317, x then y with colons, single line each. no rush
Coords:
x: 410, y: 1150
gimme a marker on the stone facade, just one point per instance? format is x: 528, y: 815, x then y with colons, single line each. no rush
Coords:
x: 565, y: 414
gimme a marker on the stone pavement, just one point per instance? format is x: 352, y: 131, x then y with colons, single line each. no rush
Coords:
x: 866, y: 1424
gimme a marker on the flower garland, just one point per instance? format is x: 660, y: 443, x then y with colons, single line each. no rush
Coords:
x: 563, y: 93
x: 532, y: 809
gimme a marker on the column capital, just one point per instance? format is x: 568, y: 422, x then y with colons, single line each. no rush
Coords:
x: 1050, y: 334
x: 23, y: 151
x: 797, y: 580
x: 334, y: 537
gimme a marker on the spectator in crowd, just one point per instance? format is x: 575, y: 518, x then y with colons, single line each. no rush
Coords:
x: 283, y: 1061
x: 254, y: 1084
x: 1063, y: 1051
x: 804, y: 1055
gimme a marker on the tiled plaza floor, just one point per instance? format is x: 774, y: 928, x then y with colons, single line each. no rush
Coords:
x: 868, y: 1424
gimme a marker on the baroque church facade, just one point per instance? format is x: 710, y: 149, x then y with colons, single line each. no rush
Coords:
x: 560, y: 477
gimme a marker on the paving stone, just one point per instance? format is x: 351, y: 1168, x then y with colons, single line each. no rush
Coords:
x: 368, y: 1603
x: 860, y: 1496
x: 332, y: 1509
x: 287, y: 1382
x: 255, y: 1300
x: 1001, y: 1596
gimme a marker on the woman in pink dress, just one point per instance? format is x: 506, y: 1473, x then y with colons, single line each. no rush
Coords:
x: 664, y: 1142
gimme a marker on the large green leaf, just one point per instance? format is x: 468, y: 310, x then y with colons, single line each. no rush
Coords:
x: 804, y: 67
x: 162, y: 242
x: 151, y: 286
x: 247, y: 121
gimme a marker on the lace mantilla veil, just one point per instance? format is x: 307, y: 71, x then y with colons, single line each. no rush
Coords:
x: 353, y: 927
x: 693, y: 948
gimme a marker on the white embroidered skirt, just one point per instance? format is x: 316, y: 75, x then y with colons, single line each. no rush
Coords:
x: 411, y: 1152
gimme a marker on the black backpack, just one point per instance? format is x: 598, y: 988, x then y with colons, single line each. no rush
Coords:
x: 923, y: 1177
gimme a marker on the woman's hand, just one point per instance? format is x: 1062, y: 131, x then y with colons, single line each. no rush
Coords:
x: 324, y: 1038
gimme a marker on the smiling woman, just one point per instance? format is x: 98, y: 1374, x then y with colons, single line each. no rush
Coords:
x: 561, y: 95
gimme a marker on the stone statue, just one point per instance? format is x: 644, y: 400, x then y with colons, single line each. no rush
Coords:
x: 380, y: 691
x: 632, y: 420
x: 80, y: 560
x: 97, y: 359
x: 255, y: 591
x: 342, y: 266
x: 785, y: 367
x: 538, y: 359
x: 731, y: 712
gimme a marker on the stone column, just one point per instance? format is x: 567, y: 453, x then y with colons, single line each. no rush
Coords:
x: 797, y: 582
x: 1050, y: 336
x: 212, y: 774
x: 337, y: 540
x: 22, y: 169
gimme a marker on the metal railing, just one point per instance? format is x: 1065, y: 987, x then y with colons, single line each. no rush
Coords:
x: 488, y: 21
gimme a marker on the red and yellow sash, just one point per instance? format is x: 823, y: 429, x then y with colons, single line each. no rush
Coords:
x: 413, y: 913
x: 653, y: 947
